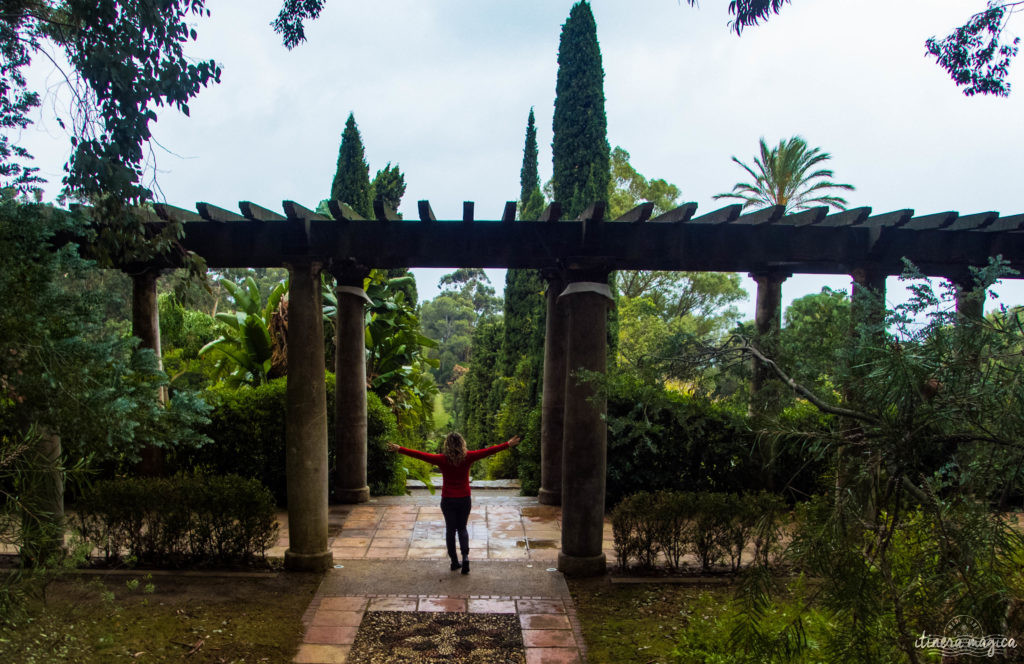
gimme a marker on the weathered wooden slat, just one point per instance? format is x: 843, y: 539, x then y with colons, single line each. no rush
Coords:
x: 467, y: 211
x: 295, y: 211
x: 726, y: 215
x: 509, y: 213
x: 552, y: 213
x: 1011, y: 223
x: 218, y: 214
x: 896, y: 218
x: 972, y: 222
x: 343, y: 212
x: 383, y: 211
x: 426, y: 214
x: 639, y: 214
x: 932, y: 221
x: 851, y: 217
x: 171, y: 213
x: 768, y: 215
x: 678, y: 215
x: 594, y: 213
x: 258, y: 213
x: 809, y: 217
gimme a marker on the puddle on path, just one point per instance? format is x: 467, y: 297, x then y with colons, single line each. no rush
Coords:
x: 537, y: 543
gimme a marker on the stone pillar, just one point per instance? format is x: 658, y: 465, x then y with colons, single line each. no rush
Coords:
x: 146, y: 326
x: 585, y: 431
x: 970, y: 300
x: 867, y: 301
x: 553, y: 398
x: 768, y: 321
x: 350, y: 392
x: 306, y: 425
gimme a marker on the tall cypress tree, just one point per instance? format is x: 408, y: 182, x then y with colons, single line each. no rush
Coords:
x: 352, y: 177
x: 531, y: 200
x: 580, y: 145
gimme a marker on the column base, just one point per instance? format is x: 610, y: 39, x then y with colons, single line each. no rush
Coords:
x: 582, y: 565
x: 307, y: 562
x: 549, y: 497
x: 352, y: 496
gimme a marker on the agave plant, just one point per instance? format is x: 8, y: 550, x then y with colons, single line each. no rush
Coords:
x: 246, y: 348
x: 785, y: 175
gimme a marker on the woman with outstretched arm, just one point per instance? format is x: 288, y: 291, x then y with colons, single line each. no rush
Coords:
x: 455, y: 462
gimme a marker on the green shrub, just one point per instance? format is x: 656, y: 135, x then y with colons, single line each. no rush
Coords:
x: 184, y: 519
x: 709, y: 525
x: 247, y: 427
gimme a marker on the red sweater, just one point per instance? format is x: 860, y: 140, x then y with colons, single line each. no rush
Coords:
x: 456, y: 478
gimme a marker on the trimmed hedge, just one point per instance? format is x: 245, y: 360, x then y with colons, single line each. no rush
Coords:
x: 712, y: 526
x: 247, y: 427
x: 180, y: 520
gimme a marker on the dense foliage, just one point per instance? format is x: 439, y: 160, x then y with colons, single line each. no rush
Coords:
x: 178, y: 520
x: 351, y: 182
x: 580, y: 148
x: 247, y: 429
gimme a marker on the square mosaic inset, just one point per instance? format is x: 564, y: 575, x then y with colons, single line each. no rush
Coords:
x: 413, y: 637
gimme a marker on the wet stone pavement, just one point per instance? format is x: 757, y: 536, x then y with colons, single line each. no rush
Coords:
x: 389, y: 555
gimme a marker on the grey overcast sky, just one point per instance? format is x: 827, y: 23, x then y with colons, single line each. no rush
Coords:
x: 443, y: 87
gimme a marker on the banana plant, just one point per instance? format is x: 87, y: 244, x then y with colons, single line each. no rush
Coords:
x: 245, y: 348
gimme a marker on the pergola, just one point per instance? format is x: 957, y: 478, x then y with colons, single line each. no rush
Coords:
x: 576, y: 257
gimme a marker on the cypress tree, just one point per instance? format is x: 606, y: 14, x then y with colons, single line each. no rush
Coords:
x: 580, y: 144
x: 351, y: 183
x: 389, y: 186
x: 531, y: 200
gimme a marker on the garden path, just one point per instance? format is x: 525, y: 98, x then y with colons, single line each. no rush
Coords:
x: 514, y: 544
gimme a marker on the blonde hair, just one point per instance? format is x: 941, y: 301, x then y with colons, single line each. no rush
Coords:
x: 455, y: 448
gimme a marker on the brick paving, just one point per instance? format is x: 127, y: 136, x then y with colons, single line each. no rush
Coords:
x: 501, y: 528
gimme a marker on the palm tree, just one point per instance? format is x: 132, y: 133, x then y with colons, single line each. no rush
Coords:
x: 784, y: 176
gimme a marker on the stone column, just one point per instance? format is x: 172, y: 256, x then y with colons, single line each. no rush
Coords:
x: 350, y: 392
x: 306, y: 424
x: 553, y: 398
x: 867, y: 301
x: 768, y: 321
x: 146, y: 326
x: 970, y: 300
x: 585, y: 435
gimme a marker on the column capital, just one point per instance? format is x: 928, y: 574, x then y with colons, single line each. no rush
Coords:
x: 770, y: 275
x: 348, y: 272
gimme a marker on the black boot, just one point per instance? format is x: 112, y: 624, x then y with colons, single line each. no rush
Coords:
x: 455, y: 563
x: 465, y: 566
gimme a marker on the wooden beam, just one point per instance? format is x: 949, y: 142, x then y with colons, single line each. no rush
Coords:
x: 383, y: 211
x: 552, y: 213
x: 809, y: 217
x: 639, y: 214
x: 295, y: 211
x: 972, y: 222
x: 171, y: 213
x: 257, y: 213
x: 932, y: 221
x: 467, y: 211
x: 509, y: 215
x: 678, y: 215
x: 851, y: 217
x: 342, y: 211
x: 594, y: 213
x: 724, y: 215
x: 426, y: 214
x: 768, y: 215
x: 218, y: 214
x: 1013, y: 223
x: 896, y: 218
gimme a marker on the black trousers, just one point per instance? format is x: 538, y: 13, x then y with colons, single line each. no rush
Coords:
x: 456, y: 514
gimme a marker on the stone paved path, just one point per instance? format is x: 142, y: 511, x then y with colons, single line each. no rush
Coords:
x: 513, y: 548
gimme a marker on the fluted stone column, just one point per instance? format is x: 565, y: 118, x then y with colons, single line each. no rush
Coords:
x: 146, y: 326
x: 553, y: 398
x: 970, y: 300
x: 350, y: 484
x: 306, y: 424
x: 867, y: 301
x: 585, y: 434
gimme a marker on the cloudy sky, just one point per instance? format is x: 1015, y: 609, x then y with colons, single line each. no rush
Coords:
x: 443, y: 87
